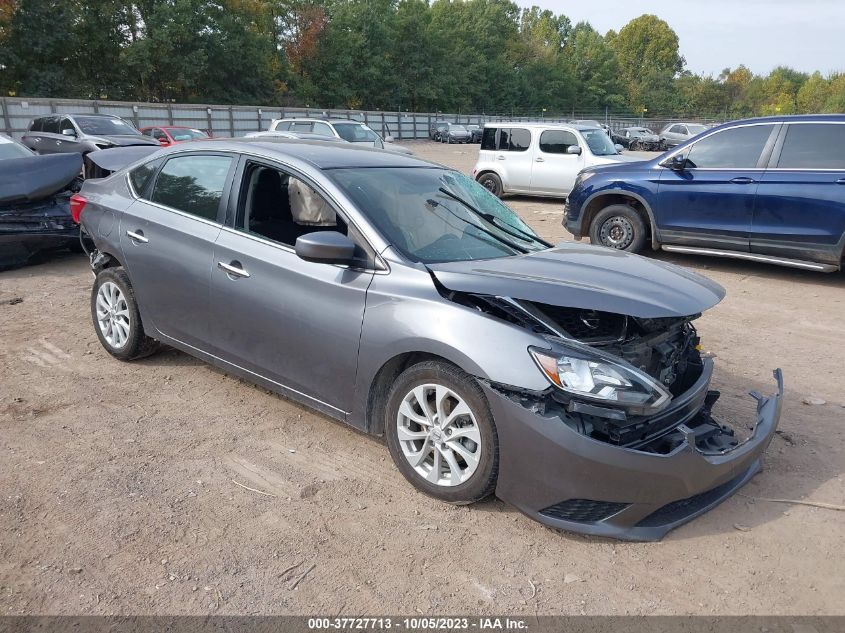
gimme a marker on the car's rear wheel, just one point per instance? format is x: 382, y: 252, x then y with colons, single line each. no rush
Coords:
x: 117, y: 320
x: 492, y: 183
x: 618, y: 226
x: 441, y: 434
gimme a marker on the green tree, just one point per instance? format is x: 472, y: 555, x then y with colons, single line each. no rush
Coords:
x: 647, y: 51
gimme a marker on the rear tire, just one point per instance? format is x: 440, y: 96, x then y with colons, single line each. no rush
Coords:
x: 116, y: 318
x: 492, y: 183
x: 441, y: 434
x: 618, y: 226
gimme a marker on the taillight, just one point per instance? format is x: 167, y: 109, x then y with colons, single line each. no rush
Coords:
x: 77, y: 205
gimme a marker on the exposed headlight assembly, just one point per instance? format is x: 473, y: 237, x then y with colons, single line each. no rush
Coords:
x: 592, y: 376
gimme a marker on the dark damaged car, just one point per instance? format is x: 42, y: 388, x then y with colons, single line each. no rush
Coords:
x: 405, y: 300
x: 35, y: 203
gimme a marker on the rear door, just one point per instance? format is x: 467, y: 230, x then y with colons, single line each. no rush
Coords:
x: 294, y: 322
x: 513, y: 160
x: 800, y: 208
x: 711, y: 202
x: 553, y: 171
x: 47, y: 140
x: 167, y: 238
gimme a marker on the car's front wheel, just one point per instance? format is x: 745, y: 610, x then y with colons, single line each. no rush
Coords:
x: 117, y: 320
x: 441, y: 434
x: 618, y: 226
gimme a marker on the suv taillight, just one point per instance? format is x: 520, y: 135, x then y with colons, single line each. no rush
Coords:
x: 77, y: 205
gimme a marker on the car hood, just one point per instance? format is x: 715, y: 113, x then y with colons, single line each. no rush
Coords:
x: 614, y: 159
x: 124, y: 140
x: 586, y: 277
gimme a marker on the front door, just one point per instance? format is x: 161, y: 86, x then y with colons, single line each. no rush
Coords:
x: 710, y: 203
x: 800, y: 208
x: 167, y: 239
x: 554, y: 170
x: 294, y: 322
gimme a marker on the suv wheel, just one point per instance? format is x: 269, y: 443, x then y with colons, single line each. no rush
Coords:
x: 618, y: 226
x: 492, y: 183
x: 441, y: 434
x: 117, y: 321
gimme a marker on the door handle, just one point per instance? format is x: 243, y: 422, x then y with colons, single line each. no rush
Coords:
x: 500, y: 158
x: 138, y: 237
x: 58, y: 142
x: 742, y: 180
x: 233, y: 269
x: 540, y: 159
x: 841, y: 181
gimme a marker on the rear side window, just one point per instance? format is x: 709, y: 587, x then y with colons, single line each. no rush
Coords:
x: 557, y: 141
x: 735, y: 148
x: 505, y: 139
x: 323, y: 128
x: 520, y: 140
x: 300, y: 126
x: 282, y: 126
x: 36, y: 125
x: 488, y: 138
x: 140, y: 177
x: 193, y: 184
x: 814, y: 146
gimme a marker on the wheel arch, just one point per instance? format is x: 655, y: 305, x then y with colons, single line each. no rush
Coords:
x: 607, y: 197
x: 386, y: 376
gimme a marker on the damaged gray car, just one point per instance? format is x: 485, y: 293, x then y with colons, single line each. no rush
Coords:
x: 405, y: 300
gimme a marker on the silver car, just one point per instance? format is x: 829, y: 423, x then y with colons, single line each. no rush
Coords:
x: 404, y: 299
x: 677, y: 133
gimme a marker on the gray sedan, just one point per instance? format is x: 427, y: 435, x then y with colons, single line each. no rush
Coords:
x: 402, y: 298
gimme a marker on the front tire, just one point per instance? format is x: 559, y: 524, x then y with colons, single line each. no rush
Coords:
x: 492, y: 183
x: 117, y: 320
x: 618, y: 226
x: 441, y: 434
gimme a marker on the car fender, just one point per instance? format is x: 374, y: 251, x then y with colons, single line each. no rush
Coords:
x: 405, y: 314
x: 616, y: 189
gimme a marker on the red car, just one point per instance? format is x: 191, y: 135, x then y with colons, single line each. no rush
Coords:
x: 172, y: 134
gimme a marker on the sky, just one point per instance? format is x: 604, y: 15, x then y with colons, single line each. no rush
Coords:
x: 807, y: 35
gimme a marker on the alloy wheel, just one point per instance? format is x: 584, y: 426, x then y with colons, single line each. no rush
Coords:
x: 439, y: 435
x: 113, y: 315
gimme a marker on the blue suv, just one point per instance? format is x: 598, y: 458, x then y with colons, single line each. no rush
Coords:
x: 768, y: 189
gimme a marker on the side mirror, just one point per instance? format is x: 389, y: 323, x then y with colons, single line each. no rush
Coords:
x: 618, y: 147
x: 676, y: 163
x: 68, y: 132
x: 325, y: 247
x: 163, y: 142
x: 575, y: 150
x: 388, y: 139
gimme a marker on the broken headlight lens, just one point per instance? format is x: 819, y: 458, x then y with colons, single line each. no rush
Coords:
x: 593, y: 376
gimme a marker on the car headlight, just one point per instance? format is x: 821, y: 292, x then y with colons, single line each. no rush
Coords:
x: 592, y: 376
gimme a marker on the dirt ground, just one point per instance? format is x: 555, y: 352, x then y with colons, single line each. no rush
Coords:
x: 117, y: 491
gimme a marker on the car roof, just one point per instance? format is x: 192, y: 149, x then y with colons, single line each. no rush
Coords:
x: 538, y: 124
x: 321, y: 154
x: 320, y: 119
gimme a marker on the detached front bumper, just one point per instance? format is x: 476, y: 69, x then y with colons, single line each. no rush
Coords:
x: 569, y: 481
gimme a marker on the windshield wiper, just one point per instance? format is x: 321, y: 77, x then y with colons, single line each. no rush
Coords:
x: 498, y: 238
x: 492, y: 219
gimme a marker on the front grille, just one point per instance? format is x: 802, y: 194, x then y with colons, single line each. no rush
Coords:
x: 583, y: 510
x: 586, y: 325
x: 683, y: 508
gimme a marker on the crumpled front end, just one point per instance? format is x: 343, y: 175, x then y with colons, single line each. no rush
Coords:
x: 568, y: 480
x: 623, y: 442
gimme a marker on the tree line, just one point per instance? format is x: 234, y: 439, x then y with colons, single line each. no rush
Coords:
x: 480, y: 56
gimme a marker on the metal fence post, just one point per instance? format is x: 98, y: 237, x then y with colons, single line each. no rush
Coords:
x: 7, y: 121
x: 170, y: 112
x: 231, y: 123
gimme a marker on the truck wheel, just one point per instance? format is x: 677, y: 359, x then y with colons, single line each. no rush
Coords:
x: 618, y: 226
x: 492, y: 183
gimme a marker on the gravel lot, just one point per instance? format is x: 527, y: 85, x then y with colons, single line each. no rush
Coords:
x: 117, y: 493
